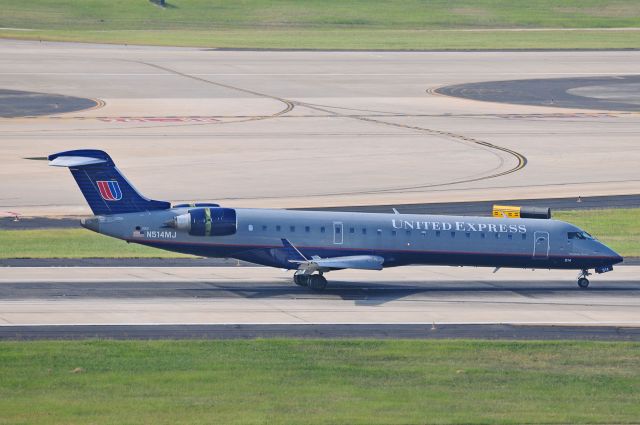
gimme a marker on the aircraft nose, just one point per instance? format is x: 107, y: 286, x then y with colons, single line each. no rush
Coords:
x: 91, y: 224
x: 613, y: 257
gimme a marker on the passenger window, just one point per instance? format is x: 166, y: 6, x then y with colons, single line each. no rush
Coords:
x: 497, y: 235
x: 250, y: 227
x: 408, y: 232
x: 264, y: 228
x: 482, y: 236
x: 337, y: 228
x: 524, y: 236
x: 364, y: 230
x: 438, y: 233
x: 307, y: 229
x: 278, y: 228
x: 379, y: 231
x: 322, y: 229
x: 393, y: 233
x: 352, y: 230
x: 468, y: 235
x: 453, y: 234
x: 423, y: 233
x: 510, y: 236
x: 292, y: 228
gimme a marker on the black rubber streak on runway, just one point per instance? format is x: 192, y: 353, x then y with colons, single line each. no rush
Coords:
x: 491, y: 332
x: 543, y: 92
x: 363, y: 293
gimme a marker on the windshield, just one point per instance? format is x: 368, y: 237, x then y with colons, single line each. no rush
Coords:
x: 580, y: 235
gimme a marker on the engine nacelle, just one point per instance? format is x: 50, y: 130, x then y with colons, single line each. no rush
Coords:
x: 207, y: 222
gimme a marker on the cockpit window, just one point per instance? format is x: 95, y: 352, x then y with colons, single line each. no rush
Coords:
x: 579, y: 235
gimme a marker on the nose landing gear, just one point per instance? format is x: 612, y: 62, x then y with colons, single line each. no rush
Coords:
x: 583, y: 282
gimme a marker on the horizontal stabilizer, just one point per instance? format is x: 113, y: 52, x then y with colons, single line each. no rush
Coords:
x: 75, y: 161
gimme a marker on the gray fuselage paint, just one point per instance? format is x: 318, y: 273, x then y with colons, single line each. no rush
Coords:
x: 401, y: 239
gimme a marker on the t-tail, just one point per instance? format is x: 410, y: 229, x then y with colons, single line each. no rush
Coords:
x: 104, y: 187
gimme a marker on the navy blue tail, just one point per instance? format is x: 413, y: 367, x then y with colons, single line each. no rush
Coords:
x: 106, y: 190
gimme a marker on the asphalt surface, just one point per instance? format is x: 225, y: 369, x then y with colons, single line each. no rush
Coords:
x: 15, y: 103
x: 385, y: 331
x: 233, y: 302
x: 614, y: 93
x: 484, y: 208
x: 313, y: 129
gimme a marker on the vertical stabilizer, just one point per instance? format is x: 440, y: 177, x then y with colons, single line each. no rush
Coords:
x: 104, y: 187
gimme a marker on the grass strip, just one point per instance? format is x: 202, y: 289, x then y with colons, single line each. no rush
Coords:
x: 72, y: 243
x: 319, y: 382
x: 617, y: 228
x: 347, y: 39
x: 330, y: 24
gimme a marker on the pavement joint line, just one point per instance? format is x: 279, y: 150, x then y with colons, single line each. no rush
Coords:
x: 627, y: 324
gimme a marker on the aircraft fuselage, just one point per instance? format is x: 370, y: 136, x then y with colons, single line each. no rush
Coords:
x: 401, y: 239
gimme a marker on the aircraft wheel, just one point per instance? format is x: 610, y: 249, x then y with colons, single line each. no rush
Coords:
x: 317, y: 282
x: 300, y: 280
x: 583, y: 282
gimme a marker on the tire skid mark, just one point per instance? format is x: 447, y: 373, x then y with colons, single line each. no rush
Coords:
x: 496, y: 150
x: 521, y: 159
x: 288, y: 104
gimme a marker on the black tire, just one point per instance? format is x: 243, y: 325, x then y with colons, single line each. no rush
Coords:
x: 583, y: 282
x: 300, y: 279
x: 317, y: 282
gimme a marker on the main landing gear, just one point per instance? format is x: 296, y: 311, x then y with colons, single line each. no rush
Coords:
x: 583, y: 282
x: 316, y: 282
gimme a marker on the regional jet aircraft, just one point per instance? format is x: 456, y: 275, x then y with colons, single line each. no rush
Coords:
x: 313, y: 243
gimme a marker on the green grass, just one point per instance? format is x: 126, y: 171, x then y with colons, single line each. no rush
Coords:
x: 618, y: 228
x: 328, y: 24
x: 71, y: 243
x: 318, y: 382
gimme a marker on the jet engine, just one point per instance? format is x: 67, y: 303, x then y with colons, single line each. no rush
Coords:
x: 207, y: 222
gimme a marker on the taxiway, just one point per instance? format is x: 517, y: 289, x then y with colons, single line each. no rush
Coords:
x: 301, y: 129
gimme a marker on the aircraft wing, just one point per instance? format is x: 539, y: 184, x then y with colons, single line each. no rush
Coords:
x: 362, y: 262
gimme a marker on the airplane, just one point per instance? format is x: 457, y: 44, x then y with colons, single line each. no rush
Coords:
x: 312, y: 243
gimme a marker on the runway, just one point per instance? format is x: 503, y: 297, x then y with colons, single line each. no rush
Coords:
x: 118, y: 301
x: 304, y: 129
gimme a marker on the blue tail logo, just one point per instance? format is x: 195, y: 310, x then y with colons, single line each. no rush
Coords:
x: 104, y: 187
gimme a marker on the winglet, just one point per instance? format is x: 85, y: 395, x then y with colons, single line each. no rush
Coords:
x: 292, y: 252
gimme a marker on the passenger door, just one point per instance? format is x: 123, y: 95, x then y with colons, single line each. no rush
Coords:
x: 541, y: 245
x: 338, y: 233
